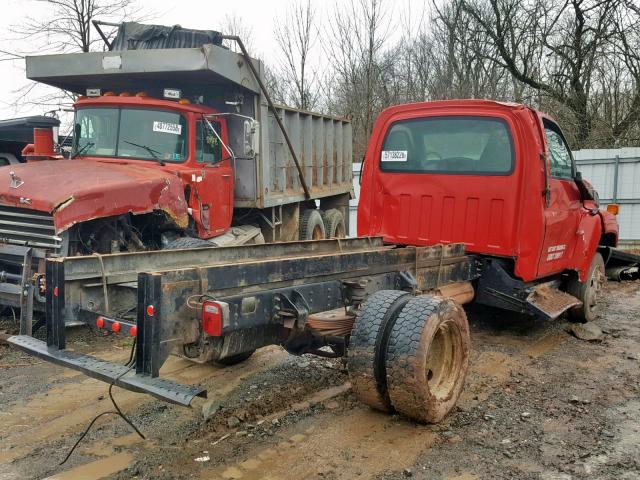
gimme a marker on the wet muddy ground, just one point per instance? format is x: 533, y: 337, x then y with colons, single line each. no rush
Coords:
x: 539, y: 404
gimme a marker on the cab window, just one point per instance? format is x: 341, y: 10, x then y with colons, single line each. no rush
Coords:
x: 559, y: 153
x: 463, y: 145
x: 208, y: 148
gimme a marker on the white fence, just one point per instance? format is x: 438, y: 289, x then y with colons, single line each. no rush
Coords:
x: 616, y: 176
x: 614, y: 173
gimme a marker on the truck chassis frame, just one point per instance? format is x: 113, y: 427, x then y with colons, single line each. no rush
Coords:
x: 271, y: 289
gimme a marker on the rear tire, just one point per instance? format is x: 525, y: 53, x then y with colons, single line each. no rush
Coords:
x: 334, y: 223
x: 588, y: 292
x: 234, y: 359
x: 427, y: 358
x: 311, y: 225
x: 368, y: 345
x: 188, y: 242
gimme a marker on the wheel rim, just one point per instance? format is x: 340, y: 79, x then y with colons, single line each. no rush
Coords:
x: 443, y: 360
x: 317, y: 233
x: 339, y: 233
x: 596, y: 282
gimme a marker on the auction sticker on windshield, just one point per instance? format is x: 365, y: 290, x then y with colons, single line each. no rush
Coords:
x: 394, y: 156
x: 165, y: 127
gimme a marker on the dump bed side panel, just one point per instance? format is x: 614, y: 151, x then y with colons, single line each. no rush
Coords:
x: 323, y: 147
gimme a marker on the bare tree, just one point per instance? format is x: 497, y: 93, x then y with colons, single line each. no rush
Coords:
x: 552, y: 47
x: 233, y: 24
x: 296, y: 34
x: 358, y: 31
x: 66, y: 26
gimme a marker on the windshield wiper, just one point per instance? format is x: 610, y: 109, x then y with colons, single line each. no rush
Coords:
x: 82, y: 149
x: 151, y: 151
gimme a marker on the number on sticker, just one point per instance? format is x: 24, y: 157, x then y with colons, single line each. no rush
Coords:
x: 164, y: 127
x: 394, y: 156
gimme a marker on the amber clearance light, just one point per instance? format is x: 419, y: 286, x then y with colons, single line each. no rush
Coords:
x: 613, y: 208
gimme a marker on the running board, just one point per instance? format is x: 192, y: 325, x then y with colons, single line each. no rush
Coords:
x: 548, y: 301
x: 110, y: 372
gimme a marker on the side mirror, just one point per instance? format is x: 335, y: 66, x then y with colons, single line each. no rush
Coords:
x: 251, y: 138
x: 587, y: 192
x: 361, y: 167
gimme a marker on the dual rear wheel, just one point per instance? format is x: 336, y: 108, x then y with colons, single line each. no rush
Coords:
x: 409, y: 354
x: 318, y: 225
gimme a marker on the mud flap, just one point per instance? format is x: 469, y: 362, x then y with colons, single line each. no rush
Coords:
x: 547, y: 301
x: 110, y: 372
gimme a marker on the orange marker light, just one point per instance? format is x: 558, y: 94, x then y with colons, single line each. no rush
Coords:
x: 150, y: 310
x: 613, y: 208
x: 100, y: 322
x: 115, y: 326
x: 133, y: 331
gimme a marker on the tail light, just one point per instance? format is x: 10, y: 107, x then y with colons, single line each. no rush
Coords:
x: 613, y: 208
x: 213, y: 317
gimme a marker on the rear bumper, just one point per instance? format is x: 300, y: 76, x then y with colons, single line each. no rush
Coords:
x: 110, y: 372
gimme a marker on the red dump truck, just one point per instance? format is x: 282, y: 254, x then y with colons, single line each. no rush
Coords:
x: 461, y: 201
x: 176, y: 144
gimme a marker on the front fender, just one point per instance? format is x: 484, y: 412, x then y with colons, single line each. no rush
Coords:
x: 610, y: 228
x: 588, y: 234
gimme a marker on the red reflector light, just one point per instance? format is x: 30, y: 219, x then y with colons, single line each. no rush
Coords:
x: 212, y: 318
x: 150, y: 310
x: 55, y: 291
x: 100, y: 322
x: 115, y: 326
x: 133, y: 331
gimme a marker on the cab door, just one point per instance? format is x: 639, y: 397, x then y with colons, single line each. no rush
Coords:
x: 212, y: 188
x: 562, y: 214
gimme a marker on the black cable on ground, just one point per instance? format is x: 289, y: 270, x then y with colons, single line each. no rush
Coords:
x: 117, y: 411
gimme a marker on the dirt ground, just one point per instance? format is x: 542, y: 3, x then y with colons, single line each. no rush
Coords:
x: 539, y: 404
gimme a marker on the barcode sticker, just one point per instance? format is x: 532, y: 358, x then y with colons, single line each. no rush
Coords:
x: 394, y: 156
x: 165, y: 127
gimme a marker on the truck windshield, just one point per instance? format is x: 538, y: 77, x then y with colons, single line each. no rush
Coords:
x: 453, y: 145
x: 130, y: 133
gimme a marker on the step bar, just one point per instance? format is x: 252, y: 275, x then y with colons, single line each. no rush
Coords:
x: 110, y: 372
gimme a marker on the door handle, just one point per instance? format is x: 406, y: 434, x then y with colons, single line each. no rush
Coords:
x: 226, y: 175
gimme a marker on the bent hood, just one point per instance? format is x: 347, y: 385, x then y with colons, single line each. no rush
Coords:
x: 75, y: 191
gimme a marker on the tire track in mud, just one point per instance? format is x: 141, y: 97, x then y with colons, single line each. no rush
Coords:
x: 64, y: 411
x: 319, y: 433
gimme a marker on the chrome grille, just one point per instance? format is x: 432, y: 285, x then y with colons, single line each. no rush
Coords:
x: 31, y: 228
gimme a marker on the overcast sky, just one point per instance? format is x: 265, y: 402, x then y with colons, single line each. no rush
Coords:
x: 259, y: 15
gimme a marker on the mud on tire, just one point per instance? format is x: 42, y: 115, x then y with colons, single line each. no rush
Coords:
x: 311, y: 225
x: 367, y: 346
x: 334, y: 223
x: 588, y: 292
x: 427, y: 358
x: 234, y: 359
x: 188, y: 242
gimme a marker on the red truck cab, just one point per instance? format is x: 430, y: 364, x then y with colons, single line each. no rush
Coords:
x: 499, y: 177
x: 172, y: 136
x: 163, y: 164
